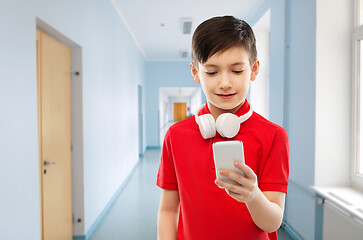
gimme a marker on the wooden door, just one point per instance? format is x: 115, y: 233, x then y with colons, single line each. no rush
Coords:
x: 180, y: 111
x: 54, y: 114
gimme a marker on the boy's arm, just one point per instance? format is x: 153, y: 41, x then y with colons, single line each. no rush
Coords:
x: 168, y: 215
x: 266, y: 208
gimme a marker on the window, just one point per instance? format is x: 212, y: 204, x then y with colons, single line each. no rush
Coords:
x: 359, y: 165
x: 357, y: 93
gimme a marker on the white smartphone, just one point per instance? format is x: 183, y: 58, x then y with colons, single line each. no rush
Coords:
x: 225, y: 153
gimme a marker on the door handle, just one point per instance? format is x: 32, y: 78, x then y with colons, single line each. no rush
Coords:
x: 49, y: 163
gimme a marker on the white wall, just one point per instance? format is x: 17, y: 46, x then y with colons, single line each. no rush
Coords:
x: 259, y: 91
x: 112, y: 69
x: 196, y: 101
x: 163, y: 109
x: 333, y: 75
x: 19, y: 171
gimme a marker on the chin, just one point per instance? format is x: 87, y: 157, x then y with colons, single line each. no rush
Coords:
x: 228, y: 107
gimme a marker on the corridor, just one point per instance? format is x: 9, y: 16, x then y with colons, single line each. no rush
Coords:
x: 133, y: 216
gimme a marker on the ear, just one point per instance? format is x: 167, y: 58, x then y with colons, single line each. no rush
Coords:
x: 255, y: 70
x: 194, y: 72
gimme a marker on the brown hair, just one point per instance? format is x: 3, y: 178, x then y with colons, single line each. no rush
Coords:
x: 218, y: 34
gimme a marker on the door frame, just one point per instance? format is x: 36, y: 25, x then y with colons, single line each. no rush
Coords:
x: 141, y: 120
x: 76, y: 128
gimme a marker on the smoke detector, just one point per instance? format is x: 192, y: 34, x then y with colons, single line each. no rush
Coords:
x: 187, y: 25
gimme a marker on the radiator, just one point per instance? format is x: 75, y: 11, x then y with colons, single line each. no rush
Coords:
x: 339, y: 224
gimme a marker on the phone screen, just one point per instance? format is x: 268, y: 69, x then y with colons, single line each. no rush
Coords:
x: 225, y: 153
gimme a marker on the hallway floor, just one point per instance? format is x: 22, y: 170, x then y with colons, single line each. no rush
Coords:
x: 134, y: 213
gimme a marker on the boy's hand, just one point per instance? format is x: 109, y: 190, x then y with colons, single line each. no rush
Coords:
x: 245, y: 189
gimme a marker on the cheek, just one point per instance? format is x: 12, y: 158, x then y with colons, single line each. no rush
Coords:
x: 244, y: 85
x: 207, y: 85
x: 204, y: 87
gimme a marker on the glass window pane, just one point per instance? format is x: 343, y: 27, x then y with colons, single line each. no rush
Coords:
x: 360, y: 109
x: 360, y: 12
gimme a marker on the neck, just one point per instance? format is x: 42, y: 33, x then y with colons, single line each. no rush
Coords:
x: 215, y: 111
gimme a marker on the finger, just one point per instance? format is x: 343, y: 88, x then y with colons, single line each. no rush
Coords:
x: 237, y: 196
x: 220, y: 183
x: 231, y: 174
x: 230, y: 186
x: 232, y: 193
x: 246, y: 170
x: 238, y: 178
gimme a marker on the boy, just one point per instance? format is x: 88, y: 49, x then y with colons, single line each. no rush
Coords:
x: 194, y: 205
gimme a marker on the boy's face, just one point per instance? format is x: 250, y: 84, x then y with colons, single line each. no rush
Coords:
x: 225, y: 79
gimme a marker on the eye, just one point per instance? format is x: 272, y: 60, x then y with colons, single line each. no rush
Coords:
x: 238, y: 72
x: 211, y: 73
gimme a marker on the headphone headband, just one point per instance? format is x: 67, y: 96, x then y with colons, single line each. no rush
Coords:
x: 246, y: 116
x: 196, y: 114
x: 227, y: 124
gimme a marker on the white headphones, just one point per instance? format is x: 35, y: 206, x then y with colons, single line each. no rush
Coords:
x: 227, y: 124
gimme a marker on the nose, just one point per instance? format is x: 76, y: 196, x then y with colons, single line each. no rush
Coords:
x: 225, y: 82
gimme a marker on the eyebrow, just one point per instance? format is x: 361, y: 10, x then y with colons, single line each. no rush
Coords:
x: 234, y: 64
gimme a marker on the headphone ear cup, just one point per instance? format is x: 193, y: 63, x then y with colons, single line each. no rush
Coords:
x: 227, y: 125
x: 207, y: 126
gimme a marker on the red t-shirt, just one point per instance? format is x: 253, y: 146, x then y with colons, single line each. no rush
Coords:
x: 187, y: 165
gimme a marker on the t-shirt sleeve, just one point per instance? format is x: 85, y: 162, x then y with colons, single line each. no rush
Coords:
x: 275, y: 174
x: 166, y: 178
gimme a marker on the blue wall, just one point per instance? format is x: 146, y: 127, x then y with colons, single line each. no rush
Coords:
x: 292, y: 99
x: 112, y: 68
x: 300, y: 114
x: 162, y: 74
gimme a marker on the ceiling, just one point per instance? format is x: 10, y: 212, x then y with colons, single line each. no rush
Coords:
x: 156, y: 25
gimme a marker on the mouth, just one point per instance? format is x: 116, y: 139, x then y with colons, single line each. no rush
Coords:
x: 225, y: 95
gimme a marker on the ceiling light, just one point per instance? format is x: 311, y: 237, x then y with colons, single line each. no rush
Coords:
x: 187, y: 25
x: 184, y: 53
